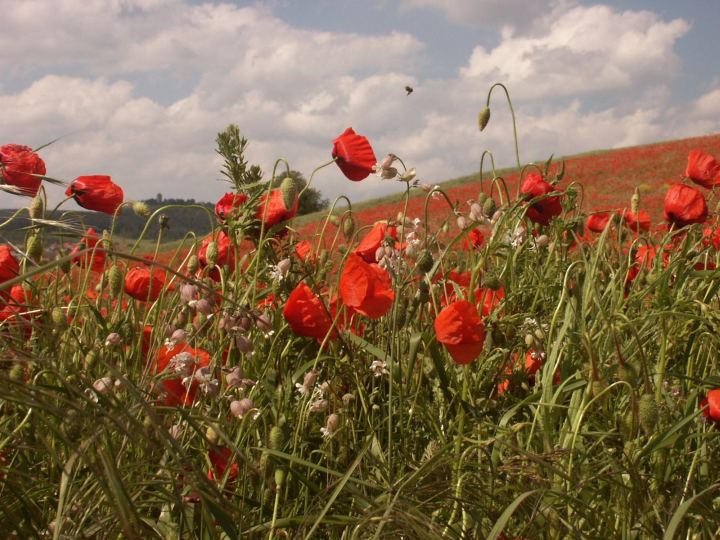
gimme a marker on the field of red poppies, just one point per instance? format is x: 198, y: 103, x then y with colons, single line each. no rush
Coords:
x: 531, y: 355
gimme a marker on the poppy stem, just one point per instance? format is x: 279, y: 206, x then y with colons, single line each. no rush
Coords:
x: 512, y: 112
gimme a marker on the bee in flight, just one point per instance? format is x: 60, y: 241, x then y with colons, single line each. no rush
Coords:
x: 409, y: 90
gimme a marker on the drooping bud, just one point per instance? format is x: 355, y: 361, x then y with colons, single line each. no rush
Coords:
x: 647, y: 412
x: 211, y: 435
x: 409, y: 175
x: 90, y: 360
x: 489, y: 207
x: 34, y: 247
x: 103, y: 386
x: 115, y: 281
x: 211, y: 254
x: 178, y: 336
x: 112, y: 339
x: 348, y: 226
x: 193, y: 264
x: 58, y: 318
x: 484, y: 118
x: 332, y: 218
x: 331, y: 425
x: 288, y: 191
x: 276, y: 439
x: 243, y: 344
x: 235, y: 377
x: 36, y: 207
x: 141, y: 209
x: 462, y: 222
x: 241, y: 408
x: 424, y: 262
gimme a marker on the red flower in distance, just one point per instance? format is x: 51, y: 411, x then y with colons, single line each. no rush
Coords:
x: 533, y: 363
x: 598, y: 222
x: 220, y: 459
x: 354, y: 155
x: 228, y: 204
x: 703, y: 169
x: 97, y: 192
x: 144, y: 285
x: 711, y: 406
x: 22, y: 168
x: 93, y: 259
x: 684, y: 205
x: 276, y: 211
x: 366, y: 288
x: 474, y: 239
x: 542, y: 212
x: 460, y: 329
x: 9, y: 267
x: 639, y: 222
x: 306, y: 315
x: 303, y: 249
x: 181, y: 360
x: 373, y: 240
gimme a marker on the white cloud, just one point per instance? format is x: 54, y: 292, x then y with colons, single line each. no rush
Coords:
x: 292, y: 91
x: 584, y: 50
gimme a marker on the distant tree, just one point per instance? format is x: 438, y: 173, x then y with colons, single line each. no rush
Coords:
x: 311, y: 200
x: 158, y: 198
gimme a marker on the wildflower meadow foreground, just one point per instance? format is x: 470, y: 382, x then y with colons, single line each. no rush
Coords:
x: 517, y: 365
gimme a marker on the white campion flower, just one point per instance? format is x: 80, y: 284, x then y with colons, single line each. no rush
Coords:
x: 331, y: 425
x: 379, y: 368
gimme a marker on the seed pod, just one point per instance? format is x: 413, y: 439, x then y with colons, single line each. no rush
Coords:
x: 627, y: 373
x: 211, y: 254
x: 647, y: 412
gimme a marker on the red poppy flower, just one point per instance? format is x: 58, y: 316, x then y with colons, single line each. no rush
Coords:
x: 488, y: 299
x: 306, y: 315
x: 276, y: 211
x: 146, y: 342
x: 228, y: 204
x: 144, y: 285
x: 14, y: 303
x: 303, y: 250
x: 684, y: 205
x: 475, y: 239
x: 639, y: 222
x: 182, y: 361
x: 22, y: 168
x: 225, y: 254
x: 460, y: 329
x: 711, y: 406
x: 93, y: 259
x: 354, y: 155
x: 97, y: 193
x: 542, y: 212
x: 598, y: 222
x: 220, y: 460
x: 373, y: 240
x: 9, y: 267
x: 366, y: 288
x: 703, y: 169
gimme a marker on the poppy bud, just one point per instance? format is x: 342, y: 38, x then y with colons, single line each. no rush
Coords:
x: 89, y: 361
x: 348, y: 227
x: 276, y: 439
x: 476, y: 212
x: 288, y: 192
x: 193, y: 264
x: 58, y: 318
x: 425, y: 262
x: 484, y: 118
x: 279, y: 478
x: 115, y: 281
x: 36, y: 207
x: 647, y: 412
x: 141, y: 209
x: 597, y: 387
x: 211, y: 253
x: 489, y: 207
x: 211, y: 435
x: 34, y: 247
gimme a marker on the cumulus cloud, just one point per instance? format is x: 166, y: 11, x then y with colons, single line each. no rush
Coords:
x: 584, y: 50
x: 293, y: 90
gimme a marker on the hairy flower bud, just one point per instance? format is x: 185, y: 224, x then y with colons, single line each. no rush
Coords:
x: 288, y: 191
x: 211, y: 254
x: 34, y: 247
x: 348, y: 226
x: 193, y: 264
x: 36, y: 207
x: 484, y: 118
x: 424, y: 262
x: 115, y: 281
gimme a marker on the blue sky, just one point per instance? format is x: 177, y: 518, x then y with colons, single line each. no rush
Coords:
x: 138, y: 88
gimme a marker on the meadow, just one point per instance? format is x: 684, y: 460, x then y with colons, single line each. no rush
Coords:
x: 528, y: 353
